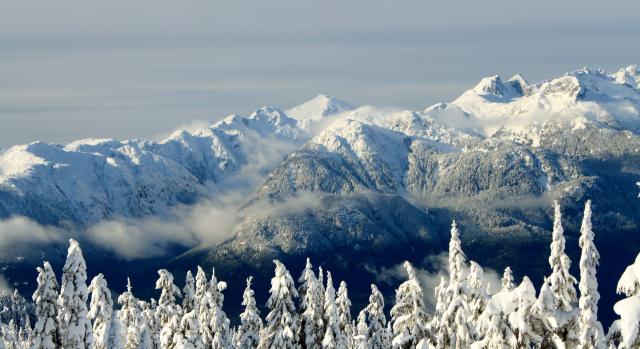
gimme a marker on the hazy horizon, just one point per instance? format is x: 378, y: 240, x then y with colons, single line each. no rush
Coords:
x: 77, y: 69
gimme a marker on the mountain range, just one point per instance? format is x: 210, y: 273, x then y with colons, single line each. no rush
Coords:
x: 359, y: 188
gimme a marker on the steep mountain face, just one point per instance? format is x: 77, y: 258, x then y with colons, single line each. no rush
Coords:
x: 361, y: 187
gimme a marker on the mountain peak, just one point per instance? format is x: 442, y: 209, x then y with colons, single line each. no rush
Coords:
x: 518, y: 84
x: 319, y: 107
x: 491, y: 85
x: 628, y: 76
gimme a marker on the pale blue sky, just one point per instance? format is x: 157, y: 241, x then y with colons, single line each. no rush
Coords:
x: 139, y: 68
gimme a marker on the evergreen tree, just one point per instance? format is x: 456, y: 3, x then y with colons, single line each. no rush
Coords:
x: 507, y: 279
x: 560, y: 280
x: 498, y: 335
x: 436, y: 327
x: 189, y: 293
x: 544, y: 308
x: 75, y: 327
x: 561, y: 284
x: 343, y: 304
x: 282, y: 320
x: 590, y: 332
x: 189, y: 332
x: 361, y: 337
x: 477, y: 296
x: 167, y: 306
x: 311, y: 309
x: 333, y: 336
x: 214, y: 324
x: 129, y: 316
x: 453, y: 327
x: 149, y: 327
x: 248, y: 334
x: 625, y: 332
x: 205, y: 302
x: 456, y: 317
x: 409, y: 319
x: 26, y: 334
x: 321, y: 291
x: 170, y: 336
x: 222, y: 338
x: 201, y: 287
x: 456, y: 256
x: 101, y: 313
x: 378, y: 336
x: 305, y: 280
x: 45, y: 330
x: 10, y: 335
x: 528, y: 328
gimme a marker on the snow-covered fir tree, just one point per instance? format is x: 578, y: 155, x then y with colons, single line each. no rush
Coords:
x: 625, y: 332
x: 562, y: 283
x: 343, y: 304
x: 205, y: 303
x: 507, y: 279
x: 167, y: 306
x: 188, y: 336
x: 282, y: 321
x: 457, y: 258
x: 544, y: 309
x: 149, y: 327
x: 409, y: 319
x: 220, y: 325
x: 10, y: 335
x: 453, y: 328
x: 132, y: 328
x: 311, y: 309
x: 74, y: 325
x: 361, y: 333
x: 189, y: 293
x: 321, y: 289
x: 590, y: 332
x: 378, y: 335
x: 101, y: 313
x: 528, y: 327
x: 170, y: 335
x: 45, y: 330
x: 477, y: 296
x: 493, y: 325
x: 248, y: 333
x: 214, y: 324
x: 436, y: 327
x: 496, y: 332
x: 333, y: 336
x: 201, y: 286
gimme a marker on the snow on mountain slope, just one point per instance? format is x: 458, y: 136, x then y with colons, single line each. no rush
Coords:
x: 319, y: 107
x: 89, y: 180
x: 578, y: 98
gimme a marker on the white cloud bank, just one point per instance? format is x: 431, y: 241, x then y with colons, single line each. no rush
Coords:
x: 208, y: 222
x: 21, y: 229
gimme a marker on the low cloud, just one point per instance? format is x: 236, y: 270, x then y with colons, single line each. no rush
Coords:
x: 20, y: 229
x: 209, y: 222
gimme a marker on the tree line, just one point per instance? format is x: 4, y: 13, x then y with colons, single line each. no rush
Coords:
x: 313, y: 314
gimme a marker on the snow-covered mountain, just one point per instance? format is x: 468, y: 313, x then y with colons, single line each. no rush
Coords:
x: 90, y: 180
x: 350, y: 184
